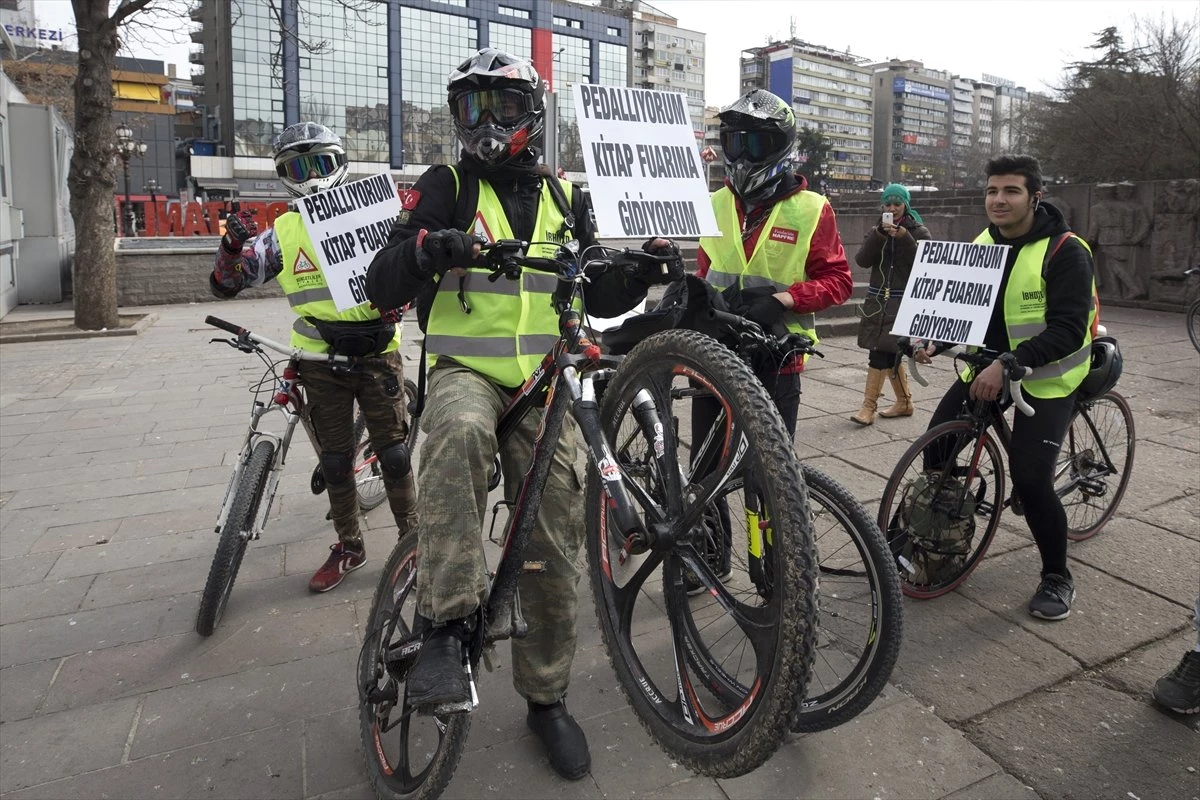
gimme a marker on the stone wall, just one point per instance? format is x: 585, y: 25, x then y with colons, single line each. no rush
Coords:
x: 175, y: 272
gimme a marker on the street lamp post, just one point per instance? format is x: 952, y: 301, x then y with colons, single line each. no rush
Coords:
x: 924, y: 175
x: 127, y: 148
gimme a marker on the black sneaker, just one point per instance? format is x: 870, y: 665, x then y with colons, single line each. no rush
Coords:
x: 560, y: 734
x: 1179, y: 689
x: 1053, y: 597
x: 439, y: 677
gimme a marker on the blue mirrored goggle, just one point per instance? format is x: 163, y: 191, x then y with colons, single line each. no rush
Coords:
x: 506, y: 106
x: 309, y: 165
x: 755, y: 144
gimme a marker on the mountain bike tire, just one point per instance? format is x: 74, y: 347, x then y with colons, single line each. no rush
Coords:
x: 232, y: 545
x: 952, y: 442
x: 776, y: 616
x: 415, y: 758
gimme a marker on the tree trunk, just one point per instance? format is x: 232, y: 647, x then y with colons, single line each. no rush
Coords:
x: 93, y: 175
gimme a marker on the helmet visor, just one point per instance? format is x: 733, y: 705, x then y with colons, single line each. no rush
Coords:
x: 507, y: 107
x: 756, y: 145
x: 309, y: 165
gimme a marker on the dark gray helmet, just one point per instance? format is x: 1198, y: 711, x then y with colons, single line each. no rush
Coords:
x: 309, y: 158
x: 498, y: 103
x: 758, y: 134
x: 1105, y: 368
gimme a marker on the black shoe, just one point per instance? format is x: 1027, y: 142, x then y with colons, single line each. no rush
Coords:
x: 439, y: 677
x: 563, y: 739
x: 1053, y: 598
x: 1179, y: 689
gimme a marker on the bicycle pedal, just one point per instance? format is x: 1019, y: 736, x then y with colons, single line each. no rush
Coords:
x: 377, y: 695
x: 534, y: 566
x: 491, y: 658
x: 461, y: 707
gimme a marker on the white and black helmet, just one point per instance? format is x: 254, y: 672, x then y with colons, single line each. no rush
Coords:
x: 309, y: 158
x: 498, y: 103
x: 758, y: 136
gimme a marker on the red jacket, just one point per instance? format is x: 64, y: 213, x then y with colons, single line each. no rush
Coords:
x: 828, y: 280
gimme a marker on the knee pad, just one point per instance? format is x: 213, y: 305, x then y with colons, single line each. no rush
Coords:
x: 337, y: 467
x: 395, y: 459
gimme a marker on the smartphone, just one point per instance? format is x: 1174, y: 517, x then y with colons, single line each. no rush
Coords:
x: 887, y: 218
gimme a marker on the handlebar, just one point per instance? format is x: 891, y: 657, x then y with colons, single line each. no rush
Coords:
x: 1014, y: 373
x: 508, y: 256
x: 752, y: 336
x: 246, y: 340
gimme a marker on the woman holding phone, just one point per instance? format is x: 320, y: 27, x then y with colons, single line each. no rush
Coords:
x: 888, y: 251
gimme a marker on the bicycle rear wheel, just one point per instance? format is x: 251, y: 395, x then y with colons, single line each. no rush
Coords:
x: 941, y: 507
x: 859, y: 622
x: 409, y: 756
x: 235, y: 535
x: 716, y: 685
x: 1095, y: 463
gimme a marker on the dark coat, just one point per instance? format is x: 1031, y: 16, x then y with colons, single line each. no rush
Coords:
x: 890, y: 261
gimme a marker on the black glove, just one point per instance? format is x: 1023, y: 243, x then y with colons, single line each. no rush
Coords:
x: 766, y: 311
x: 740, y: 301
x: 667, y: 272
x: 440, y: 250
x: 239, y: 228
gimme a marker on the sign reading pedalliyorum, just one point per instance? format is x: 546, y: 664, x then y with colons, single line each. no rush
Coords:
x: 347, y: 225
x: 644, y: 171
x: 951, y: 292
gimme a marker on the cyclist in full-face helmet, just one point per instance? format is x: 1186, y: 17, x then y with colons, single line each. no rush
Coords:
x: 310, y: 158
x: 483, y: 339
x: 778, y: 260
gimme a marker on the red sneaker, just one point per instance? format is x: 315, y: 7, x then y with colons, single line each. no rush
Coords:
x: 342, y: 559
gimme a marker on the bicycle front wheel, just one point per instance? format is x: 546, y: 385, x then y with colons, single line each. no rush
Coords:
x: 941, y: 507
x: 235, y: 535
x: 716, y: 680
x: 1095, y: 463
x: 409, y: 756
x: 859, y: 620
x: 368, y: 474
x: 1193, y: 324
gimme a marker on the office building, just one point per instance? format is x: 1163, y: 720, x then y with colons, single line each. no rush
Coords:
x: 914, y: 116
x: 830, y: 92
x: 376, y: 74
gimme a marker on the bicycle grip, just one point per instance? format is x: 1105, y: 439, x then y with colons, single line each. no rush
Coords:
x: 225, y: 326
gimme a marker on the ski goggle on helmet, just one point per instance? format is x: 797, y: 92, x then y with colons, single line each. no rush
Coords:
x: 756, y: 145
x: 309, y: 165
x: 506, y: 107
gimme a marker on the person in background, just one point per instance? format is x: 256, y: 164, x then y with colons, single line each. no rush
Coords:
x: 485, y: 338
x: 309, y: 158
x: 1179, y: 689
x: 888, y: 251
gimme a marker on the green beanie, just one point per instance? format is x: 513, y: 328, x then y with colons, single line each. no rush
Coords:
x: 895, y: 193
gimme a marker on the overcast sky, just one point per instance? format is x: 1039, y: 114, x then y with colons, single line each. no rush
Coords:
x: 1026, y: 41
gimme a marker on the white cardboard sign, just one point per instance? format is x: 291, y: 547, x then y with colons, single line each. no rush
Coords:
x: 347, y: 225
x: 951, y: 292
x: 644, y: 171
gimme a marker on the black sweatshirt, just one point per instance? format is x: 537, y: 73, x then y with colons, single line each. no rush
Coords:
x: 1068, y: 293
x: 394, y: 278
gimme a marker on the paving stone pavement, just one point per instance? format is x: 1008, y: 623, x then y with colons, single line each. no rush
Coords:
x: 114, y: 456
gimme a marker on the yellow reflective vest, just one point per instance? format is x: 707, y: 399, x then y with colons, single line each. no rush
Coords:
x: 307, y: 291
x: 779, y: 256
x: 1025, y: 317
x: 503, y: 328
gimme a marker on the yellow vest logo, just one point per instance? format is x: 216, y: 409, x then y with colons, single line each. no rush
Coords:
x: 303, y: 264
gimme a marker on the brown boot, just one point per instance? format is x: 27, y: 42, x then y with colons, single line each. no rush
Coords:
x: 866, y: 414
x: 903, y: 406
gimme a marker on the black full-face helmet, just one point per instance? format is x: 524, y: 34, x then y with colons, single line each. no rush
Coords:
x: 758, y: 135
x: 498, y: 103
x: 309, y: 158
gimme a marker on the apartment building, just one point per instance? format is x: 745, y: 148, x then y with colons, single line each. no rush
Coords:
x: 830, y: 92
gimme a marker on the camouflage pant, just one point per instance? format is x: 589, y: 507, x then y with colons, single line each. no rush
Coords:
x: 459, y: 443
x: 379, y: 389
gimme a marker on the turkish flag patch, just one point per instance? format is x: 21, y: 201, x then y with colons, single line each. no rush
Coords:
x: 409, y: 199
x: 784, y: 235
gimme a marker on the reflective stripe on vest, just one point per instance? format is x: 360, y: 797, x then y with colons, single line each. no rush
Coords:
x: 779, y: 256
x: 303, y: 282
x: 1025, y: 317
x: 511, y: 324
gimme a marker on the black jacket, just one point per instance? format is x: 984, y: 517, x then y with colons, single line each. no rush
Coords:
x: 1068, y: 293
x: 394, y: 278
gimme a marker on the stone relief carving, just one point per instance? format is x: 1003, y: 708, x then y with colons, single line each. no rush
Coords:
x: 1118, y: 225
x: 1175, y: 241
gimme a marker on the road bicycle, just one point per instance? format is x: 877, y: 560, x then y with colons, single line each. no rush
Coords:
x: 644, y: 525
x: 260, y: 462
x: 859, y: 621
x: 1193, y: 314
x: 942, y: 504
